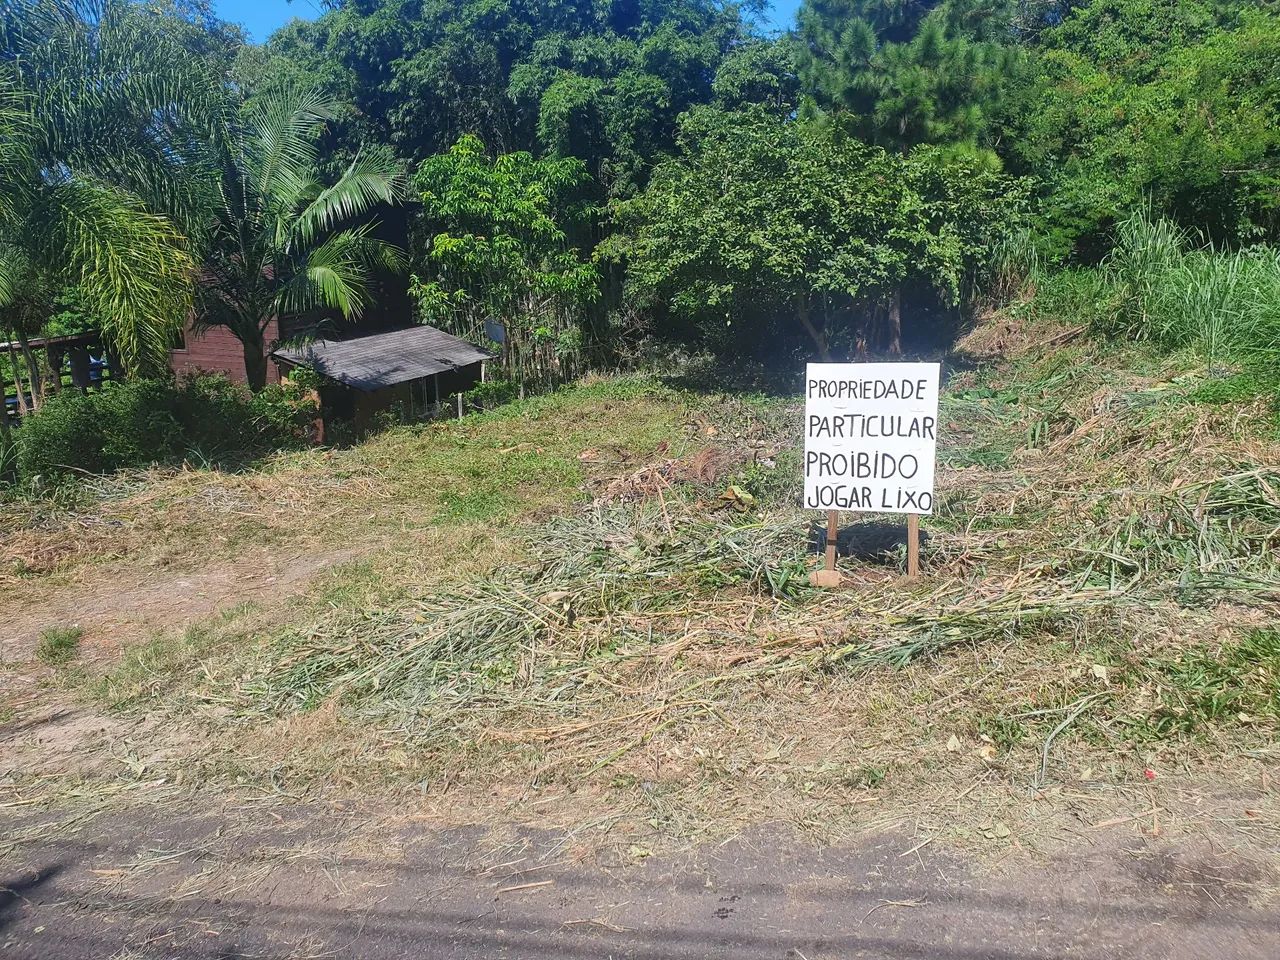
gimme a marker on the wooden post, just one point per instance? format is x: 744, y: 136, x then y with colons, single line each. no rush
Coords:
x: 829, y: 576
x: 459, y: 406
x: 17, y: 381
x: 913, y: 544
x: 55, y: 355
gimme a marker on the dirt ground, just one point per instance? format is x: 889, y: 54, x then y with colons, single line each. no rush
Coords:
x: 133, y: 865
x: 263, y: 880
x: 115, y: 611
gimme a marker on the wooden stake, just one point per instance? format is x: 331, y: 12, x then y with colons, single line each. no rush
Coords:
x: 828, y: 576
x: 913, y: 544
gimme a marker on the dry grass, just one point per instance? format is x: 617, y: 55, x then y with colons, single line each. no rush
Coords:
x: 642, y: 655
x: 502, y: 466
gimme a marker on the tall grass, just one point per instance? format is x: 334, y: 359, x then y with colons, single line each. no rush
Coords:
x: 1223, y: 303
x: 1145, y: 253
x: 1017, y: 267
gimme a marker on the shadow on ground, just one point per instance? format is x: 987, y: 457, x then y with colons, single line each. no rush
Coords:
x: 301, y: 882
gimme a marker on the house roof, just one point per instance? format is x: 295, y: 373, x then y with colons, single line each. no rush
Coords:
x: 384, y: 359
x: 40, y: 343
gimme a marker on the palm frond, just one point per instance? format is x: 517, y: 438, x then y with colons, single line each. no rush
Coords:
x: 385, y: 256
x: 18, y: 165
x: 330, y: 275
x: 119, y: 97
x: 280, y: 149
x: 336, y: 273
x: 131, y: 265
x: 15, y: 272
x: 372, y: 179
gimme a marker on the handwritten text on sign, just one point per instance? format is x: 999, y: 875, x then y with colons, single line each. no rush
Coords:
x: 870, y: 437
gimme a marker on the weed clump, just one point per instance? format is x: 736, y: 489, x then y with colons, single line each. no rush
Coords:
x: 1201, y: 688
x: 58, y: 646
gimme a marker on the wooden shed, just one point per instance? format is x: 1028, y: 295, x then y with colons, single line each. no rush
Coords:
x: 78, y: 356
x: 419, y: 367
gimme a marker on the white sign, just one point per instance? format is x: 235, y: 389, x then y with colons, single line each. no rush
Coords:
x: 870, y: 436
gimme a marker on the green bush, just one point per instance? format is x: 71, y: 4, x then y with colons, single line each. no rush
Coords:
x: 142, y: 422
x: 491, y: 393
x: 283, y: 415
x: 123, y: 425
x: 222, y: 422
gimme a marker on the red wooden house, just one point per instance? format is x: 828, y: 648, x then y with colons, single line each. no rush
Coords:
x: 216, y: 350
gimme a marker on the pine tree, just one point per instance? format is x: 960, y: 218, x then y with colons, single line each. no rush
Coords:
x: 901, y: 73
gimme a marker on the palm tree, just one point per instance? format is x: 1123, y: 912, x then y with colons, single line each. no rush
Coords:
x: 99, y: 114
x: 282, y: 244
x: 24, y: 303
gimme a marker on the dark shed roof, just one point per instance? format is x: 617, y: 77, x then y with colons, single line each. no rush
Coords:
x: 384, y: 359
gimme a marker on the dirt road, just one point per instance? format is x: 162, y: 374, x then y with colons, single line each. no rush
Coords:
x: 310, y: 881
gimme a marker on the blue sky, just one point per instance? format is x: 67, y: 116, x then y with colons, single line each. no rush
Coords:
x: 263, y: 16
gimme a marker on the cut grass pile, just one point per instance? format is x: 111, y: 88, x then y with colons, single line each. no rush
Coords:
x: 673, y: 592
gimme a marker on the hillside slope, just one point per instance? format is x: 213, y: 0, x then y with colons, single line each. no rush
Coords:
x: 593, y: 607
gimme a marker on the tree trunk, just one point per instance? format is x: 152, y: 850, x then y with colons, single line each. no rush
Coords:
x: 33, y: 370
x: 819, y: 337
x: 55, y: 356
x: 867, y: 327
x: 894, y: 326
x: 23, y: 409
x: 255, y: 362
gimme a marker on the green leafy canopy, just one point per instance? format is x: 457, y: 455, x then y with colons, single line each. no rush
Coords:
x: 496, y: 249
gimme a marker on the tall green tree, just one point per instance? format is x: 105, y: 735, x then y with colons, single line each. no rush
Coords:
x: 1139, y: 102
x: 603, y: 82
x: 495, y: 250
x: 760, y: 72
x: 98, y: 112
x: 902, y: 73
x: 766, y: 235
x: 281, y: 243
